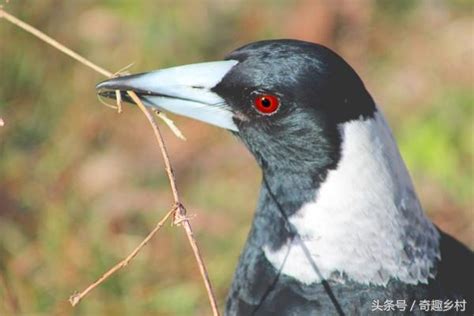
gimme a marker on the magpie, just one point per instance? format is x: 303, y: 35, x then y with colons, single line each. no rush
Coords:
x: 338, y: 227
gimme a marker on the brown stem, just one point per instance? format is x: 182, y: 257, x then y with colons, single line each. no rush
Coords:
x: 76, y: 297
x: 180, y: 214
x: 30, y: 29
x: 178, y: 211
x: 11, y: 299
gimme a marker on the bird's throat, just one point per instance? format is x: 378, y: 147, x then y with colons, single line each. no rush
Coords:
x: 362, y: 221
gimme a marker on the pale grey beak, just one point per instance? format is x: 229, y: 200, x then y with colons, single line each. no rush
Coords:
x: 183, y: 90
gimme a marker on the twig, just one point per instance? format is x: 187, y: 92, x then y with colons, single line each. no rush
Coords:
x: 30, y: 29
x: 76, y: 297
x: 178, y: 211
x: 170, y: 124
x: 10, y: 298
x: 180, y: 214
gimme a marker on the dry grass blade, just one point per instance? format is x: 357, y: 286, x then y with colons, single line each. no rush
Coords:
x: 76, y: 297
x: 178, y: 210
x: 10, y: 299
x: 79, y: 58
x: 170, y: 124
x: 118, y: 97
x: 180, y: 214
x: 30, y: 29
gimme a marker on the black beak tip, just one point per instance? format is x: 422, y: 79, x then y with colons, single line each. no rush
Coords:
x: 106, y: 93
x: 106, y: 84
x: 119, y: 83
x: 104, y: 89
x: 107, y: 88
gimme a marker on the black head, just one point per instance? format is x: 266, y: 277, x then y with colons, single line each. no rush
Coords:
x: 283, y: 98
x: 307, y: 89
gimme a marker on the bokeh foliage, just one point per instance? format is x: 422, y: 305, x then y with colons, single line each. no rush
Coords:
x: 80, y: 185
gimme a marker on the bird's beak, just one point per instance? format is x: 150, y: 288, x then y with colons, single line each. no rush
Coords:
x: 184, y: 90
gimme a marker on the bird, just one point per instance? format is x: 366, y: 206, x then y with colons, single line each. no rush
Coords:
x: 338, y: 228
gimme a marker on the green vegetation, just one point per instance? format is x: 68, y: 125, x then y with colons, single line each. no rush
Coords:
x: 80, y: 185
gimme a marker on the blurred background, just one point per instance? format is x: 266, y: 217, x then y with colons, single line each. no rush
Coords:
x: 80, y: 185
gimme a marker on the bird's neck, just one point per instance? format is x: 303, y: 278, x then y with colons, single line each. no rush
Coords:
x: 281, y: 196
x: 361, y: 220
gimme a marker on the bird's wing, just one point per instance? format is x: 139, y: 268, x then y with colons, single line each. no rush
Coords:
x: 456, y: 268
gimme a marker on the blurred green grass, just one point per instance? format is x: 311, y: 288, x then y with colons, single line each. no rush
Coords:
x: 80, y: 186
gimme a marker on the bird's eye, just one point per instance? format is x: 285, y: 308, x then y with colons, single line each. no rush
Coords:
x: 266, y: 103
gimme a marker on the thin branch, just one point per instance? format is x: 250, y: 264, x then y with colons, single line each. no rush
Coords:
x: 11, y: 300
x: 179, y: 211
x: 76, y: 297
x: 170, y: 123
x: 180, y: 214
x: 30, y: 29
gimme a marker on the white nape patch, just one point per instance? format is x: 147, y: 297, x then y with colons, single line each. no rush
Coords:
x: 366, y: 221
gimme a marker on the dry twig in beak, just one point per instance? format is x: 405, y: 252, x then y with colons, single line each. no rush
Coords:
x: 178, y: 210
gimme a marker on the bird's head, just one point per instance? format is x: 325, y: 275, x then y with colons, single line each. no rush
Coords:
x: 284, y: 98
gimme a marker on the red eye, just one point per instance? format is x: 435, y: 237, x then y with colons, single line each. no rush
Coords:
x: 267, y: 104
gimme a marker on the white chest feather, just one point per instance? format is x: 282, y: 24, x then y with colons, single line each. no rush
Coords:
x: 365, y: 221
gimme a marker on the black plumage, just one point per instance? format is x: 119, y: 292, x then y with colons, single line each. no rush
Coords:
x: 301, y: 147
